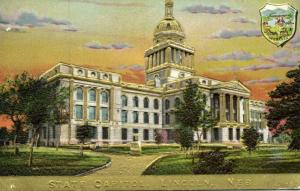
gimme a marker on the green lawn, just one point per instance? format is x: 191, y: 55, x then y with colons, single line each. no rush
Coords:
x: 48, y: 161
x: 146, y: 149
x: 270, y: 160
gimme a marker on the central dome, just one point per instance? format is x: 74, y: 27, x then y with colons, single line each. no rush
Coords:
x: 168, y: 25
x: 168, y: 28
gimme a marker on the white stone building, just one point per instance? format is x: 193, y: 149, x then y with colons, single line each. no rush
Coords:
x: 117, y: 109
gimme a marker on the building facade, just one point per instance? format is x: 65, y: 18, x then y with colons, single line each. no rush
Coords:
x: 117, y: 109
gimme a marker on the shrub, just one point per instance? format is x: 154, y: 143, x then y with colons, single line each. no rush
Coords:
x: 250, y: 139
x: 213, y: 162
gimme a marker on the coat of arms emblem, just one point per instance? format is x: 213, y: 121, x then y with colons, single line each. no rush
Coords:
x: 278, y: 23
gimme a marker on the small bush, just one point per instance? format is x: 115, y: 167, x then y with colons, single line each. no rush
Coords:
x: 213, y: 162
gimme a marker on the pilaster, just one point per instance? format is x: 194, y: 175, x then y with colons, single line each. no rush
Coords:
x: 231, y: 108
x: 222, y: 107
x: 238, y: 109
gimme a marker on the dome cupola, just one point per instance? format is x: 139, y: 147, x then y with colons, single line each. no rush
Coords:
x: 168, y: 28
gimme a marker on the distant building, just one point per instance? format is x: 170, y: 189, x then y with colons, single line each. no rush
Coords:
x: 118, y: 109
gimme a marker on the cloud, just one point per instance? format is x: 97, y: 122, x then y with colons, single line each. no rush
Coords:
x: 237, y: 55
x: 243, y: 20
x: 228, y: 34
x: 118, y: 46
x: 108, y: 4
x: 134, y: 67
x: 70, y: 29
x: 25, y: 19
x: 223, y: 9
x: 12, y: 28
x: 264, y: 80
x: 31, y: 19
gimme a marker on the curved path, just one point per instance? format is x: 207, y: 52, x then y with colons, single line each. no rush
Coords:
x: 123, y: 165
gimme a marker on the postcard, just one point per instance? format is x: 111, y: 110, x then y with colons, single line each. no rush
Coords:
x: 149, y: 95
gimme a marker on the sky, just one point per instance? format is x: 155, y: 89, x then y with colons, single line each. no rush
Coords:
x: 112, y: 35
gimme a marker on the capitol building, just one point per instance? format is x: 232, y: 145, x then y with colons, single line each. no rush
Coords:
x: 117, y: 110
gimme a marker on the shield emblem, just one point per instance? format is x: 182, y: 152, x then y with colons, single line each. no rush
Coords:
x: 278, y: 23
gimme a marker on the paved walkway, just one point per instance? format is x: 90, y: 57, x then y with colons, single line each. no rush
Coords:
x: 124, y: 165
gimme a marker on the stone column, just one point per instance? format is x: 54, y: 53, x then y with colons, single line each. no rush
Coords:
x: 246, y: 102
x: 222, y: 107
x: 111, y: 104
x: 162, y: 56
x: 192, y: 61
x: 183, y: 58
x: 238, y: 109
x: 158, y: 58
x: 85, y: 95
x: 168, y: 55
x: 150, y: 62
x: 97, y: 104
x: 147, y: 62
x: 71, y: 101
x: 231, y: 108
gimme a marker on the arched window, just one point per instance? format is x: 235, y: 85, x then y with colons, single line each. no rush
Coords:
x: 104, y: 97
x: 167, y: 118
x: 135, y: 116
x: 146, y: 102
x: 177, y: 102
x: 92, y: 95
x: 167, y: 104
x: 146, y: 117
x: 135, y: 101
x: 156, y: 104
x: 79, y: 94
x: 124, y: 100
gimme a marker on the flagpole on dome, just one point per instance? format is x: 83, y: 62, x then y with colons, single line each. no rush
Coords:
x: 169, y: 8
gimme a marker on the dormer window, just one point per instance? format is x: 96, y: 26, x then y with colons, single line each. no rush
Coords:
x: 93, y: 74
x: 80, y: 72
x: 203, y: 81
x: 181, y: 75
x: 105, y: 77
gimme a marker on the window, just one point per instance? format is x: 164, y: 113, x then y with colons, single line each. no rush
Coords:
x: 227, y: 100
x: 156, y: 118
x: 135, y: 101
x: 124, y: 118
x: 105, y: 133
x: 238, y: 134
x: 105, y: 77
x: 92, y: 112
x: 94, y: 132
x: 167, y: 118
x: 79, y: 94
x: 53, y: 132
x: 230, y: 134
x: 124, y: 134
x: 167, y: 104
x: 92, y: 95
x: 124, y: 101
x: 93, y: 74
x: 104, y: 97
x: 78, y: 112
x: 146, y: 102
x: 104, y: 113
x: 157, y: 81
x: 216, y: 134
x: 177, y: 102
x: 135, y: 117
x: 146, y: 117
x: 146, y: 134
x: 135, y: 135
x: 80, y: 72
x: 156, y: 104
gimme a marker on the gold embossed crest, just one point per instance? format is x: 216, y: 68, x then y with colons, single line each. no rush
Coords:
x: 278, y: 23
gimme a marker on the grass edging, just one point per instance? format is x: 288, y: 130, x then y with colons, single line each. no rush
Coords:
x: 106, y: 165
x: 157, y: 159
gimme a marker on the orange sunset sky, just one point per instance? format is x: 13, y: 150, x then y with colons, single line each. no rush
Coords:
x: 112, y: 35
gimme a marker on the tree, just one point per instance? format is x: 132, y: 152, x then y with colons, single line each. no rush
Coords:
x: 192, y: 112
x: 284, y: 105
x: 158, y: 137
x: 40, y: 99
x: 186, y: 137
x: 12, y: 105
x: 83, y: 133
x: 4, y: 135
x: 250, y: 139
